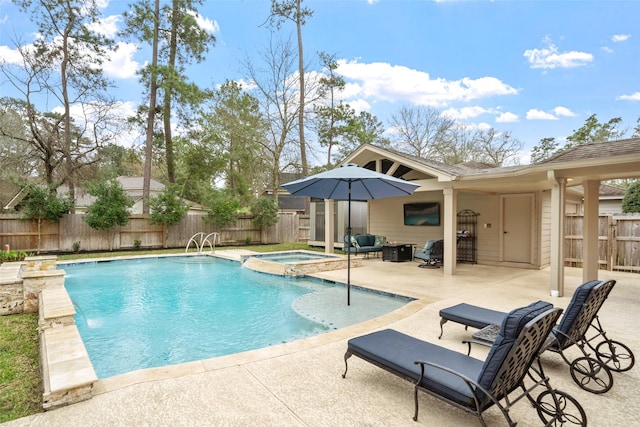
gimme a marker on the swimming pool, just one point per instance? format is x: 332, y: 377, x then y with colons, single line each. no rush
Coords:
x: 143, y: 313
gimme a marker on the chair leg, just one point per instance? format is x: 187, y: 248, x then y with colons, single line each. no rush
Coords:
x: 347, y: 355
x: 442, y: 322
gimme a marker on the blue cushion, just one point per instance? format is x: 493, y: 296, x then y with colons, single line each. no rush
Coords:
x: 507, y: 337
x: 573, y: 309
x: 397, y: 353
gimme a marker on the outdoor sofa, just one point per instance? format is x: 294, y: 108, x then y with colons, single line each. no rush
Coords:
x: 364, y: 243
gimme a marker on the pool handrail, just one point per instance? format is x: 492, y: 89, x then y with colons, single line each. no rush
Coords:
x: 203, y: 239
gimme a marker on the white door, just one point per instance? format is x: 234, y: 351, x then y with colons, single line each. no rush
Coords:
x: 517, y: 227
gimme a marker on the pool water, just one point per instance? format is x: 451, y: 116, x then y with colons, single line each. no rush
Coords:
x: 144, y: 313
x: 293, y: 256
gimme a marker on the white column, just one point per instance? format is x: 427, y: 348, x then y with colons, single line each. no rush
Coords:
x: 590, y: 224
x: 450, y: 235
x: 329, y: 225
x: 557, y: 235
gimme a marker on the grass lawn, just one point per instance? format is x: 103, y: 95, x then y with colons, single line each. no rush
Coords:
x: 20, y: 378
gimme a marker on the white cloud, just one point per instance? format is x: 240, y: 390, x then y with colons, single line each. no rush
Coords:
x: 397, y: 83
x: 633, y: 97
x: 534, y: 114
x: 359, y: 105
x: 563, y: 111
x: 607, y: 49
x: 465, y: 112
x: 107, y: 27
x: 120, y: 63
x: 507, y: 118
x: 617, y: 38
x: 10, y: 56
x: 206, y: 24
x: 550, y: 58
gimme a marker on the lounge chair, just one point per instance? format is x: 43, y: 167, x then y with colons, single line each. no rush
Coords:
x: 469, y: 383
x: 591, y: 374
x: 431, y: 254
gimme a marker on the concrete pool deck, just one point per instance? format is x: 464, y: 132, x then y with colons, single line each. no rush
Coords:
x: 300, y: 383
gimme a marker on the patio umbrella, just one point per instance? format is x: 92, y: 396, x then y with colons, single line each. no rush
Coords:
x: 350, y: 182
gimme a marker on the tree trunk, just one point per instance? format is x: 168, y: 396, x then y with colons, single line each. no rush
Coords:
x: 303, y: 146
x: 148, y: 152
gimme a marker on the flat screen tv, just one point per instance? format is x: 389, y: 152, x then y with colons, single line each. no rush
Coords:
x: 427, y: 213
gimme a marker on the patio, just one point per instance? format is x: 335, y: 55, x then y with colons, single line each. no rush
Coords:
x: 300, y: 384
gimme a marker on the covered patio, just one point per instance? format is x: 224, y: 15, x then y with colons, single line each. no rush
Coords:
x: 300, y: 383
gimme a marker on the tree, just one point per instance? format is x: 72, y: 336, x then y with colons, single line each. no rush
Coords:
x: 546, y: 148
x: 233, y: 128
x: 67, y: 45
x: 277, y: 93
x: 223, y: 208
x: 331, y: 115
x: 594, y: 131
x: 497, y: 148
x: 177, y: 40
x: 265, y: 210
x: 293, y: 11
x: 110, y: 209
x: 167, y: 209
x: 421, y: 130
x: 363, y: 128
x: 43, y: 203
x: 631, y: 199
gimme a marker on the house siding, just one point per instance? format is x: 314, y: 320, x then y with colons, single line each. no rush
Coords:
x: 488, y: 208
x: 386, y: 218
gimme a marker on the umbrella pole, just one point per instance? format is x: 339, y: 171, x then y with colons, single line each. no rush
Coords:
x: 349, y: 247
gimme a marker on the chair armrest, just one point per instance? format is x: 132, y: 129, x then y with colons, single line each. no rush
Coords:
x: 468, y: 381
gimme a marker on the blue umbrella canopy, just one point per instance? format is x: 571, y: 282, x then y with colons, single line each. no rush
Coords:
x: 350, y: 182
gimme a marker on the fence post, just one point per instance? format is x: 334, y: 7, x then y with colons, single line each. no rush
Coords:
x: 613, y: 244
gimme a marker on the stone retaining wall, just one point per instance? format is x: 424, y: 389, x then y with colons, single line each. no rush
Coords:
x: 35, y: 285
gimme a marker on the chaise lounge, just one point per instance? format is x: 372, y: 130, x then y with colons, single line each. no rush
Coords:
x: 469, y: 383
x: 591, y: 374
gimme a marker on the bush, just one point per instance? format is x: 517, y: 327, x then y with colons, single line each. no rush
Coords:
x: 631, y: 199
x: 11, y: 256
x: 265, y: 211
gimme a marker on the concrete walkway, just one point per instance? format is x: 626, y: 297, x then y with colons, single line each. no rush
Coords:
x: 300, y: 383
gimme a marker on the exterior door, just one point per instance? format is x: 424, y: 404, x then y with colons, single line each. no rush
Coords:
x: 517, y: 228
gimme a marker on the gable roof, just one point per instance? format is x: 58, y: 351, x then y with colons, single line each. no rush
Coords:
x: 621, y: 147
x: 598, y: 161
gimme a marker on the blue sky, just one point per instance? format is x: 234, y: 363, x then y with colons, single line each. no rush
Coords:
x: 535, y: 68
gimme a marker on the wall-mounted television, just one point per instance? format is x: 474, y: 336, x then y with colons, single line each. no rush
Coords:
x: 427, y: 213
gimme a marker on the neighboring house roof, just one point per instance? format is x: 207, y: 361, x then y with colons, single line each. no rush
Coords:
x: 132, y: 186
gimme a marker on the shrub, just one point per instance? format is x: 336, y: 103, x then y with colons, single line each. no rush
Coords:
x: 631, y: 199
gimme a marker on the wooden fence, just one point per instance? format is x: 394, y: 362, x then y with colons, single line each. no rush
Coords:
x: 73, y: 231
x: 618, y: 242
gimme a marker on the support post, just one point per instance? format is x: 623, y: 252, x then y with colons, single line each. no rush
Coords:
x: 558, y: 189
x: 450, y: 235
x: 329, y: 226
x: 590, y: 225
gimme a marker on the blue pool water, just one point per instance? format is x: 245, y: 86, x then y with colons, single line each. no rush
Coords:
x: 293, y: 256
x: 144, y: 313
